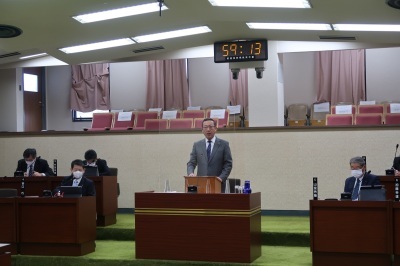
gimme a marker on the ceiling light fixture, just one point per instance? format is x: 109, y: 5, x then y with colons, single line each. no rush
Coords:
x: 263, y: 3
x: 32, y: 56
x: 366, y: 27
x: 289, y: 26
x: 120, y: 12
x: 96, y: 46
x: 171, y: 34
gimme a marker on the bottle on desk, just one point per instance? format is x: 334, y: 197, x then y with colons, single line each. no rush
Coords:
x: 247, y: 188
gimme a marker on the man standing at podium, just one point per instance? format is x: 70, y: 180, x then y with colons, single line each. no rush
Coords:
x: 359, y: 178
x: 211, y: 155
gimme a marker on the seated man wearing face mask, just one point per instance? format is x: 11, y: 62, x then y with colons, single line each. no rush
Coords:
x: 92, y: 160
x: 32, y: 165
x: 77, y: 179
x: 359, y: 178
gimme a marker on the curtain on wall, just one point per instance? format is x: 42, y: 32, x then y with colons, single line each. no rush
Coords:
x: 167, y: 85
x: 340, y: 76
x: 238, y: 90
x: 90, y: 87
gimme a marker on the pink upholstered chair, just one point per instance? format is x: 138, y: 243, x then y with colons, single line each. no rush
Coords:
x: 156, y: 124
x: 368, y: 109
x: 141, y: 117
x: 339, y: 120
x: 181, y: 123
x: 101, y: 122
x: 125, y: 124
x: 392, y: 119
x: 368, y: 119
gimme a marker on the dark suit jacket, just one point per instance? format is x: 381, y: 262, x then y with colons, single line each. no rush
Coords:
x: 396, y: 163
x: 87, y: 185
x: 368, y: 180
x: 41, y: 166
x: 220, y: 163
x: 101, y: 166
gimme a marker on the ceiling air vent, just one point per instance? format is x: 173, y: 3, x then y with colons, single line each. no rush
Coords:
x: 393, y: 3
x: 338, y: 38
x: 9, y: 55
x: 148, y: 49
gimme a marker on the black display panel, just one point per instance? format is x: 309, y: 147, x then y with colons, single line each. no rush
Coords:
x: 240, y: 51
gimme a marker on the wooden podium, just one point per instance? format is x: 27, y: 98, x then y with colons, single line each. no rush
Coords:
x: 5, y: 256
x: 201, y: 182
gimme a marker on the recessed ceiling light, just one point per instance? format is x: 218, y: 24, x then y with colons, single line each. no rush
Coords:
x: 96, y: 46
x: 289, y: 26
x: 120, y: 12
x: 171, y: 34
x: 366, y: 27
x: 262, y: 3
x: 32, y: 56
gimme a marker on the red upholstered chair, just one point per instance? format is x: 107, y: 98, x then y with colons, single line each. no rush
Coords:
x: 181, y: 123
x: 141, y: 118
x: 156, y: 124
x: 125, y: 124
x: 368, y: 119
x: 193, y: 114
x: 339, y: 120
x: 353, y: 109
x: 101, y: 121
x: 222, y: 122
x: 392, y: 119
x: 368, y: 109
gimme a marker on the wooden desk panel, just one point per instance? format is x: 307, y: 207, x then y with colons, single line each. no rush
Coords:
x: 345, y: 232
x: 56, y: 226
x: 396, y: 233
x: 388, y: 182
x: 8, y: 224
x: 5, y: 256
x: 203, y: 227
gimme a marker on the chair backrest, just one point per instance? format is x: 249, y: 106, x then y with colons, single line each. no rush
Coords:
x: 368, y: 109
x: 193, y: 114
x: 113, y: 171
x: 368, y: 119
x: 181, y: 123
x: 122, y: 123
x: 156, y: 124
x: 318, y: 115
x: 222, y: 122
x: 142, y: 116
x: 101, y: 121
x: 8, y: 192
x: 297, y: 111
x: 392, y: 119
x: 339, y: 120
x: 353, y: 109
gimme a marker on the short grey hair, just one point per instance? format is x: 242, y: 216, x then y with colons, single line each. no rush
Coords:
x: 358, y: 160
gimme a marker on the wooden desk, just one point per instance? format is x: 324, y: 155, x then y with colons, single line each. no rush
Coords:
x: 106, y: 193
x: 388, y: 182
x: 198, y: 227
x: 5, y: 256
x: 56, y: 226
x: 8, y: 224
x: 351, y: 233
x: 396, y: 233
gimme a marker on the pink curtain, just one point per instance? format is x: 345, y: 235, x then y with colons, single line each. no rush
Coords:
x: 340, y: 76
x: 90, y: 87
x: 167, y: 85
x: 238, y: 91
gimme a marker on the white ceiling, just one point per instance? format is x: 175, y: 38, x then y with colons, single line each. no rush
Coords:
x: 47, y: 25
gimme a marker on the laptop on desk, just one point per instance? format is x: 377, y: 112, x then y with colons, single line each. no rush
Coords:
x: 372, y: 193
x: 71, y: 192
x: 91, y: 170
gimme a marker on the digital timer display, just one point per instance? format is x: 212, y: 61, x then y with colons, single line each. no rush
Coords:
x: 240, y: 51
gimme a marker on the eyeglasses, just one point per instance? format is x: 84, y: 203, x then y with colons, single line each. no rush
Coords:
x: 206, y: 127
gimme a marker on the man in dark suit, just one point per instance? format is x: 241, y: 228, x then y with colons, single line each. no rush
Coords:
x: 77, y: 178
x: 359, y: 177
x: 212, y: 155
x: 92, y: 160
x: 396, y: 166
x: 32, y: 165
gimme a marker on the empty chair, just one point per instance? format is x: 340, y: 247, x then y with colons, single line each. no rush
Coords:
x: 141, y: 118
x: 114, y: 172
x: 341, y: 108
x: 368, y: 119
x: 339, y: 120
x: 318, y: 114
x: 123, y: 121
x: 369, y: 109
x: 222, y: 122
x: 392, y: 119
x: 393, y: 107
x: 181, y: 123
x: 8, y: 192
x: 297, y: 114
x: 156, y: 124
x: 101, y: 121
x: 193, y: 114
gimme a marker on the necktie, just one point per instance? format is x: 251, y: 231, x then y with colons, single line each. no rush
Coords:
x: 30, y: 172
x: 75, y: 183
x: 209, y: 150
x: 354, y: 196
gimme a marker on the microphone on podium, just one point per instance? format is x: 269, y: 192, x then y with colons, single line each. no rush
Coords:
x: 395, y: 153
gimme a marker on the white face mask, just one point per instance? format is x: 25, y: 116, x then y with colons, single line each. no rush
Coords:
x: 29, y: 162
x: 357, y: 173
x: 77, y: 174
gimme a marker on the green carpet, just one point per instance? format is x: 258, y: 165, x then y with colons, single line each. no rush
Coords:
x: 285, y: 242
